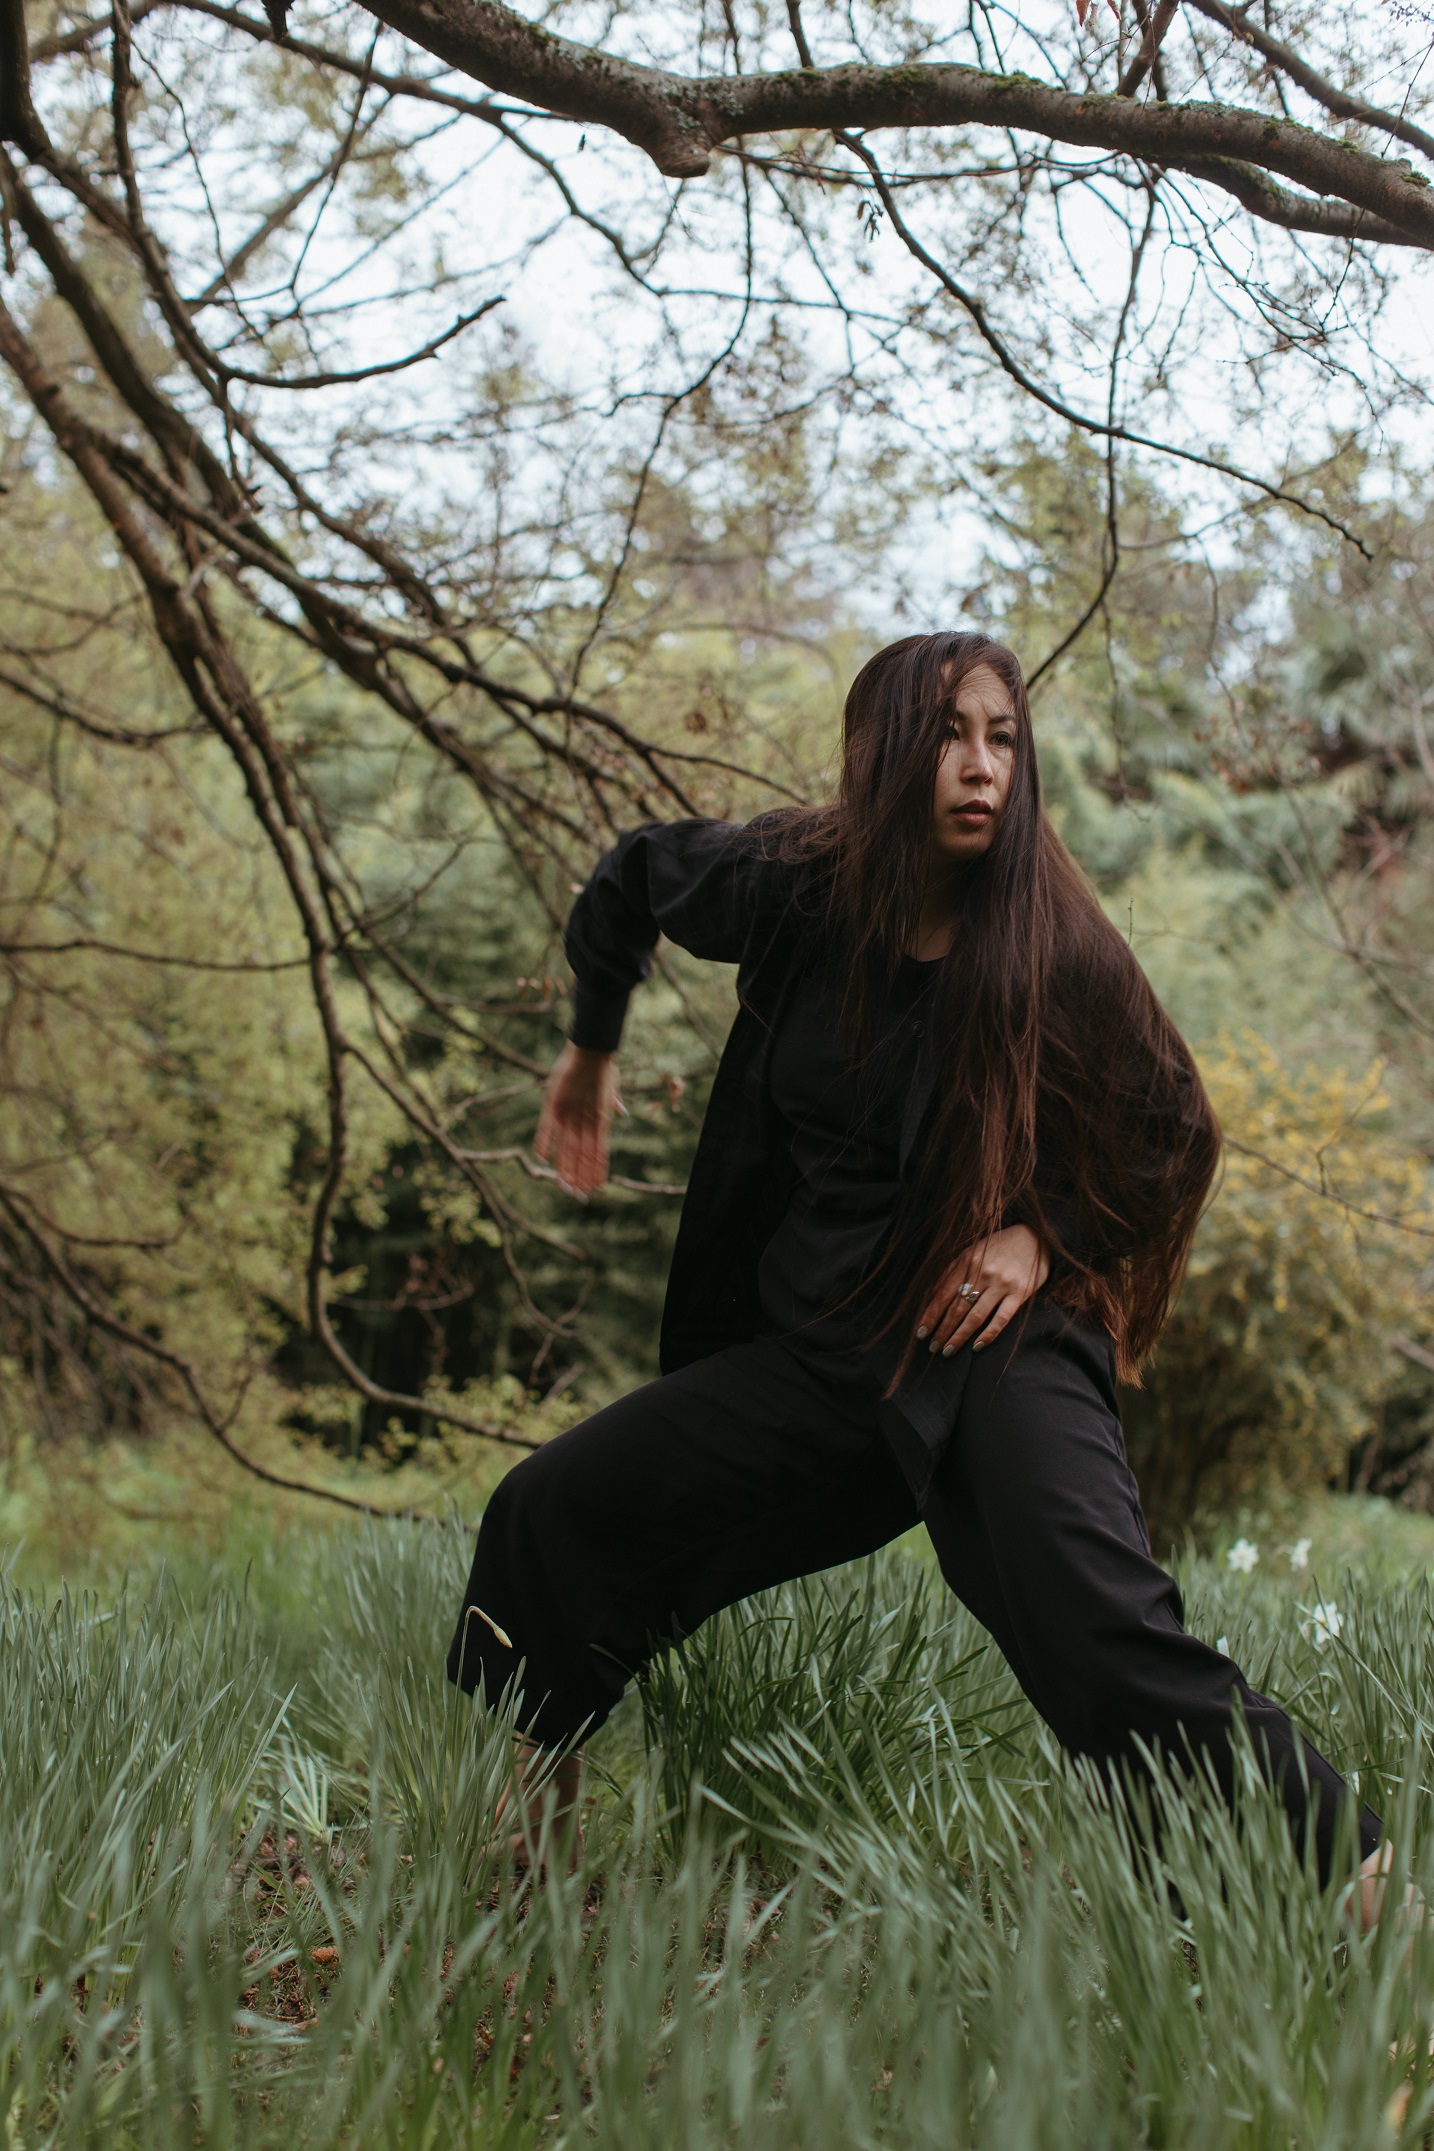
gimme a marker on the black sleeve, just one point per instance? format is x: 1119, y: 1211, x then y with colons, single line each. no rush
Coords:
x: 698, y: 882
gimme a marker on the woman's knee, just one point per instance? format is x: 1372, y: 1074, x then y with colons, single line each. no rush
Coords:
x: 533, y: 1499
x: 502, y: 1510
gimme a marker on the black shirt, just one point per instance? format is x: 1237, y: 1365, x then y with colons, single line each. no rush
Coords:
x: 843, y: 1134
x: 731, y: 895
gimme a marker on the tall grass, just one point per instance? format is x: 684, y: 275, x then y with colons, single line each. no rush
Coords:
x: 836, y: 1887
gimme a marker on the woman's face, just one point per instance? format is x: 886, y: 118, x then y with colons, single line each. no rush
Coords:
x: 973, y: 776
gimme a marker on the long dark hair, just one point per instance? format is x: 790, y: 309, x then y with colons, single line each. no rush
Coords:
x: 1064, y: 1096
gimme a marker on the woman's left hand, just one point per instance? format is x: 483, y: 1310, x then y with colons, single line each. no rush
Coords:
x: 982, y: 1289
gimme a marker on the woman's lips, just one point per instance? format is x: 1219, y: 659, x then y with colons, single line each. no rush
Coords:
x: 975, y: 812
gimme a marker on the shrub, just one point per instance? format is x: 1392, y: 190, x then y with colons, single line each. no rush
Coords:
x: 1278, y: 1351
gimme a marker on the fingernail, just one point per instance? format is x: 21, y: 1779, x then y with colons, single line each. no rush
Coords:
x: 933, y: 1346
x: 923, y: 1333
x: 947, y: 1351
x: 979, y: 1345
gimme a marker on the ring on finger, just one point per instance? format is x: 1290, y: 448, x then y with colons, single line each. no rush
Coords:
x: 953, y: 1343
x: 969, y: 1292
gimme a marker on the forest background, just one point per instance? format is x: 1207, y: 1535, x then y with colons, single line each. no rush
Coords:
x: 391, y: 516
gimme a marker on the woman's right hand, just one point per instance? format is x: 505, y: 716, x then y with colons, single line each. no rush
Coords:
x: 576, y: 1120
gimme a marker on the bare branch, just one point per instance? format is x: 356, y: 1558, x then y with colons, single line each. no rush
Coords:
x: 265, y: 230
x: 19, y: 121
x: 219, y: 690
x: 63, y: 706
x: 55, y: 48
x: 1149, y: 51
x: 1243, y: 25
x: 324, y: 56
x: 1273, y: 204
x: 680, y: 119
x: 1010, y: 364
x: 1316, y: 1187
x: 364, y: 373
x: 155, y: 956
x: 1419, y: 1354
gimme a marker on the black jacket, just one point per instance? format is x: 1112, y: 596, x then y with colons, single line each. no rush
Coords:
x: 721, y: 891
x: 715, y: 889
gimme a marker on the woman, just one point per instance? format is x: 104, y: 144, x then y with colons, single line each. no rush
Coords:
x: 945, y: 1190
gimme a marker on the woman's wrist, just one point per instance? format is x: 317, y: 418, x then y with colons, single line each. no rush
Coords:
x: 598, y: 1018
x: 589, y: 1056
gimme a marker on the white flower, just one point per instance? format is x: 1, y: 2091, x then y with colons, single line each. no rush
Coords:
x: 1300, y: 1554
x: 1242, y: 1556
x: 1324, y: 1623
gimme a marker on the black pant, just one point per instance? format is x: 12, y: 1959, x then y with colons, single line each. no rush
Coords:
x: 762, y: 1464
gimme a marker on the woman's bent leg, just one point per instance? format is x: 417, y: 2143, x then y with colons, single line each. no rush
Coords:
x: 737, y: 1473
x: 1036, y: 1520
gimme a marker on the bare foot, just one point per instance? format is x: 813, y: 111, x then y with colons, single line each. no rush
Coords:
x: 1367, y: 1893
x: 543, y: 1798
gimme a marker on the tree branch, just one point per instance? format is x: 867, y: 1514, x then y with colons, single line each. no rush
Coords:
x: 1103, y: 429
x: 57, y: 704
x: 215, y: 1423
x: 55, y: 48
x: 264, y: 231
x: 1317, y: 1187
x: 19, y: 121
x: 1149, y: 49
x: 117, y: 948
x: 1274, y: 204
x: 1323, y: 91
x: 364, y: 373
x: 222, y: 695
x: 679, y: 119
x: 1419, y: 1354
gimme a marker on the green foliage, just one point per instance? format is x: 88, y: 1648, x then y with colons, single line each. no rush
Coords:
x: 1225, y: 950
x: 170, y: 1114
x: 555, y: 582
x: 1273, y: 1363
x: 153, y: 1108
x: 849, y: 1666
x: 1227, y: 778
x: 247, y: 1896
